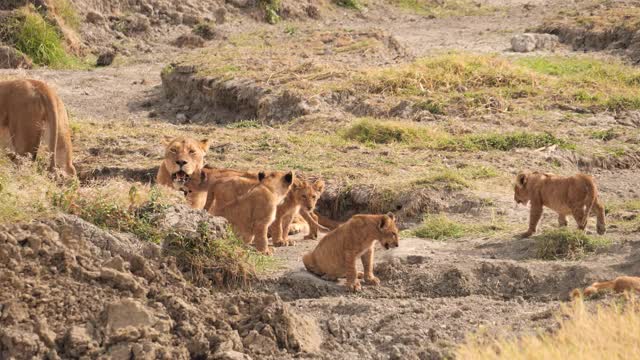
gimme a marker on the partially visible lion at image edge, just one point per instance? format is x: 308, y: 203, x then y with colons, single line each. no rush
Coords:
x: 573, y: 195
x: 31, y: 111
x: 618, y: 285
x: 183, y: 157
x: 337, y: 253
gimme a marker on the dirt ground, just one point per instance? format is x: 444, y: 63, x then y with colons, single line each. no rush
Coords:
x: 432, y: 293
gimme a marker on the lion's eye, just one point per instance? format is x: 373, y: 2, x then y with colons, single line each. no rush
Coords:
x: 174, y: 151
x: 192, y: 152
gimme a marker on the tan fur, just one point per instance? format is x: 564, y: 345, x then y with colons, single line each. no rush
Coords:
x: 619, y: 285
x: 574, y: 195
x: 322, y: 220
x: 336, y: 254
x: 220, y: 186
x: 251, y: 214
x: 301, y: 199
x: 30, y: 111
x: 182, y: 158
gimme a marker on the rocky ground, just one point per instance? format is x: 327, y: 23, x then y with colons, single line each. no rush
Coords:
x: 281, y: 96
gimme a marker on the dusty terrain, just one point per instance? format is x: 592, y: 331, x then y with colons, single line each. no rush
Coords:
x: 280, y: 97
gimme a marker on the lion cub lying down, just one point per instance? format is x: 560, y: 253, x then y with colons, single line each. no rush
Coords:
x: 619, y: 284
x: 336, y: 254
x: 574, y: 195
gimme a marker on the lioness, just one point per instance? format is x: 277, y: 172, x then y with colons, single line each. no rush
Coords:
x: 220, y: 186
x: 251, y: 214
x: 30, y: 111
x: 336, y: 254
x: 301, y: 199
x: 619, y: 284
x: 183, y: 157
x: 575, y: 195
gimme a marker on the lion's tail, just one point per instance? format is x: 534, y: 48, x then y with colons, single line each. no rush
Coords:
x: 590, y: 199
x: 51, y: 104
x: 326, y: 222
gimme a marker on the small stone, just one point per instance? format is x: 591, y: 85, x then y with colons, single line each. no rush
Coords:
x: 106, y: 58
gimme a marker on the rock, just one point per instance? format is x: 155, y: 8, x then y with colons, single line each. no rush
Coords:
x: 122, y: 281
x: 11, y: 58
x: 523, y: 43
x: 78, y: 342
x: 94, y: 17
x: 529, y: 42
x: 230, y: 355
x: 130, y: 313
x: 189, y: 41
x: 181, y: 118
x: 106, y: 58
x: 313, y: 11
x: 221, y: 15
x: 136, y: 23
x: 16, y: 341
x: 241, y: 3
x: 190, y: 19
x: 259, y: 344
x: 206, y: 31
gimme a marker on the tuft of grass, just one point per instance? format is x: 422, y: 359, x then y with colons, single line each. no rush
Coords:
x: 25, y: 190
x: 565, y: 243
x: 611, y: 331
x: 508, y: 141
x: 272, y: 10
x: 28, y: 32
x: 604, y: 135
x: 65, y: 9
x: 244, y: 124
x: 223, y: 262
x: 441, y: 9
x: 439, y: 227
x: 369, y: 131
x: 350, y: 4
x: 447, y: 178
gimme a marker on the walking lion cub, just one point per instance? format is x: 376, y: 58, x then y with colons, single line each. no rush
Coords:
x: 336, y: 254
x: 619, y: 285
x: 573, y: 195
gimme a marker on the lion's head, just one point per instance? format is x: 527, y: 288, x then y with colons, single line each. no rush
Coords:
x: 183, y: 157
x: 277, y: 182
x: 521, y: 193
x: 307, y: 193
x: 388, y: 231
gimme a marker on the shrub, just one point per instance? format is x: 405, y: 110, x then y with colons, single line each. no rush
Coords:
x: 567, y: 243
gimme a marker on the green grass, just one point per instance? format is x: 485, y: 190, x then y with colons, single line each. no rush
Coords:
x: 372, y: 131
x: 222, y: 262
x: 272, y: 10
x: 440, y: 9
x: 35, y: 37
x: 244, y: 124
x: 350, y: 4
x: 604, y: 135
x: 565, y: 243
x: 446, y: 178
x: 440, y: 227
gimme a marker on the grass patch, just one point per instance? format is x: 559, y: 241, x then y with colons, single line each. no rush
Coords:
x: 611, y: 331
x: 446, y: 178
x: 440, y: 227
x: 441, y: 9
x: 20, y: 200
x: 350, y: 4
x: 31, y: 34
x: 65, y: 9
x: 223, y: 262
x: 565, y: 243
x: 244, y: 124
x: 271, y: 10
x: 604, y: 135
x: 371, y: 131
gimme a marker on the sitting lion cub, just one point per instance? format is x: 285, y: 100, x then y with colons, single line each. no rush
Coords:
x: 619, y: 284
x: 251, y: 214
x: 575, y: 195
x: 302, y: 199
x: 337, y: 253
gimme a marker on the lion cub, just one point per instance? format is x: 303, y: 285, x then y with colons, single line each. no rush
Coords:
x: 619, y: 284
x: 301, y: 199
x: 220, y: 186
x: 575, y: 195
x: 251, y: 214
x: 337, y: 253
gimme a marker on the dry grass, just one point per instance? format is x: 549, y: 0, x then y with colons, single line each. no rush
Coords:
x: 442, y: 9
x: 611, y: 331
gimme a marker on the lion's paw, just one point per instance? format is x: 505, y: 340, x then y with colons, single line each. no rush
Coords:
x: 373, y: 281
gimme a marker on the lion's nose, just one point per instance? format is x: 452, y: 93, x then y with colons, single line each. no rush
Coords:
x: 181, y: 163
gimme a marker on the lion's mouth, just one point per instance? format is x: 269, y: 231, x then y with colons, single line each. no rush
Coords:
x: 180, y: 177
x: 386, y: 246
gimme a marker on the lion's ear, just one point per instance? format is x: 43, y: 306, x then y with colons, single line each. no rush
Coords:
x: 383, y: 222
x: 204, y: 145
x: 521, y: 180
x: 318, y: 185
x: 289, y: 177
x: 167, y: 140
x: 261, y: 175
x: 391, y: 216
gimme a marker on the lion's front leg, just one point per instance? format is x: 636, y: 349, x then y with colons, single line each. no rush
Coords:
x: 534, y: 217
x: 286, y: 224
x: 277, y: 232
x: 367, y: 264
x: 261, y: 238
x: 309, y: 217
x: 352, y: 271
